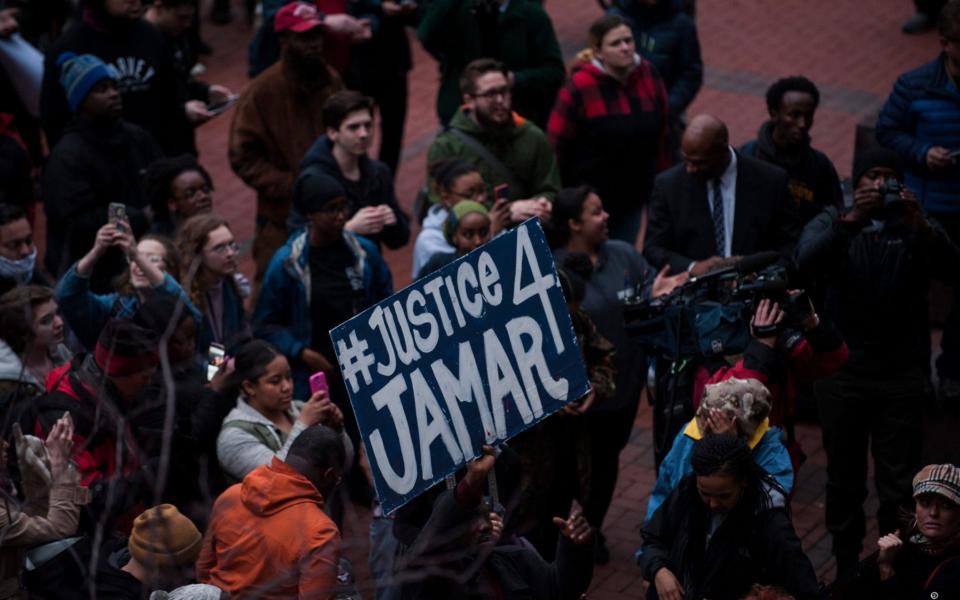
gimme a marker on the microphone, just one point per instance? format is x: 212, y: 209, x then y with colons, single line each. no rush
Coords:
x: 756, y: 262
x: 746, y: 265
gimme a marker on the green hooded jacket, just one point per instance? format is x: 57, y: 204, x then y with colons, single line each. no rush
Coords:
x: 523, y: 149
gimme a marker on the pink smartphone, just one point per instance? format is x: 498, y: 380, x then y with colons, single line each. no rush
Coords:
x: 318, y: 381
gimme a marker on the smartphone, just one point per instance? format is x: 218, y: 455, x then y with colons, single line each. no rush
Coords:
x: 318, y: 382
x: 218, y: 107
x: 216, y: 356
x: 501, y: 192
x: 117, y: 214
x: 955, y: 156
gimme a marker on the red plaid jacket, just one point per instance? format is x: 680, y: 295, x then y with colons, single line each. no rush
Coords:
x: 607, y: 131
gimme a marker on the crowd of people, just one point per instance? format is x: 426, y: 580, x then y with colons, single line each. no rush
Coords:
x: 162, y: 433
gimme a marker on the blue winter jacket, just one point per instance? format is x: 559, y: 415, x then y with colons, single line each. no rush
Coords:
x: 768, y: 452
x: 87, y: 313
x: 924, y: 111
x: 282, y: 316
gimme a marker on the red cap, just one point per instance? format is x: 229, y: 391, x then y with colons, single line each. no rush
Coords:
x: 297, y: 17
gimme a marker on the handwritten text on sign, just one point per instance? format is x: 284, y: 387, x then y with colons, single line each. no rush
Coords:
x: 470, y: 355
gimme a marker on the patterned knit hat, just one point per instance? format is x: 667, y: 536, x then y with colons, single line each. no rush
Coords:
x: 943, y: 480
x: 746, y: 400
x: 163, y: 537
x: 79, y: 73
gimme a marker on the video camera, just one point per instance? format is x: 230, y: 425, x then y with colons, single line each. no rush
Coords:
x: 710, y: 315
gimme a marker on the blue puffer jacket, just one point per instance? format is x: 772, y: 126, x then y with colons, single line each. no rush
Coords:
x: 924, y: 111
x: 282, y: 316
x: 667, y: 36
x: 768, y: 452
x: 87, y: 313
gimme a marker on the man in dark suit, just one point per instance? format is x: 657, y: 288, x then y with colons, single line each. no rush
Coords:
x: 718, y: 205
x: 704, y: 214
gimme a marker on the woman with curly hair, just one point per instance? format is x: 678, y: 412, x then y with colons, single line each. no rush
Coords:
x: 177, y: 188
x: 209, y: 256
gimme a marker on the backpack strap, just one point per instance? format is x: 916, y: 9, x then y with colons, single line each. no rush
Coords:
x: 262, y: 432
x: 487, y: 156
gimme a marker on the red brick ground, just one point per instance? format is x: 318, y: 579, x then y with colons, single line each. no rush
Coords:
x: 852, y: 49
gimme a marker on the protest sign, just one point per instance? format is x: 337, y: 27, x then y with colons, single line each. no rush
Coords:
x: 470, y: 355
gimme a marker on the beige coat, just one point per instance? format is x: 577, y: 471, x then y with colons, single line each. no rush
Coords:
x: 50, y: 512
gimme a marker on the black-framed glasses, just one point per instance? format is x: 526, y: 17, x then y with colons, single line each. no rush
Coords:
x: 503, y: 92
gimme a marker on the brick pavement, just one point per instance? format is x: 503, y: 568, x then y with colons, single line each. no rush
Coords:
x: 852, y: 49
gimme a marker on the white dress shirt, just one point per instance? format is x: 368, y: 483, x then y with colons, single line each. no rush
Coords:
x: 728, y: 189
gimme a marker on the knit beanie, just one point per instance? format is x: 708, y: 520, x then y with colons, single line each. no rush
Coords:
x: 943, y: 480
x: 162, y: 537
x: 314, y: 189
x: 124, y: 348
x: 194, y: 591
x: 460, y: 210
x: 877, y: 156
x: 746, y: 400
x: 79, y: 73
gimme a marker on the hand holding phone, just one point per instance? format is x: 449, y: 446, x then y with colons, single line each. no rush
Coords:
x: 216, y: 356
x: 318, y: 383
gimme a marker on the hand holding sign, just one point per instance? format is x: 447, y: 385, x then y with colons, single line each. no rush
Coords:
x: 466, y: 357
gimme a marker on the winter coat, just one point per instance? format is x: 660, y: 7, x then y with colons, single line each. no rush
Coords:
x: 768, y: 452
x: 87, y: 313
x: 916, y: 576
x: 374, y: 188
x: 234, y: 318
x: 923, y: 111
x: 813, y: 181
x: 271, y: 531
x: 274, y: 123
x: 797, y: 359
x: 49, y: 512
x: 282, y: 316
x: 522, y: 149
x: 523, y: 39
x: 877, y: 277
x: 430, y: 240
x: 13, y: 374
x: 112, y: 582
x: 516, y: 572
x: 90, y: 167
x: 146, y: 79
x: 744, y: 549
x: 109, y: 464
x: 667, y: 36
x: 612, y: 136
x: 248, y: 440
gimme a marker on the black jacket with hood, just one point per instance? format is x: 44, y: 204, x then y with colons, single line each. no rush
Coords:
x: 374, y: 188
x: 749, y: 546
x: 145, y: 71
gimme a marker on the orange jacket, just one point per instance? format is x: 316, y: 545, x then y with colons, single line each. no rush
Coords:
x: 269, y: 538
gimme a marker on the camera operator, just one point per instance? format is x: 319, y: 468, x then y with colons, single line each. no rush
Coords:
x: 877, y: 260
x: 787, y: 348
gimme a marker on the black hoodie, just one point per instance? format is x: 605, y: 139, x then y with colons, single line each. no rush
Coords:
x: 145, y: 68
x: 813, y: 180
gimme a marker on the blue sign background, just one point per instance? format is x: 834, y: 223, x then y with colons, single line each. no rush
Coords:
x: 470, y: 355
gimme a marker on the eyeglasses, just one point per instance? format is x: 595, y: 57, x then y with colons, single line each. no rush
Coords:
x: 472, y: 193
x: 503, y: 92
x: 224, y: 247
x: 191, y: 193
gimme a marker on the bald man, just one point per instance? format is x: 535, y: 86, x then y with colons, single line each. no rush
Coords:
x: 717, y: 205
